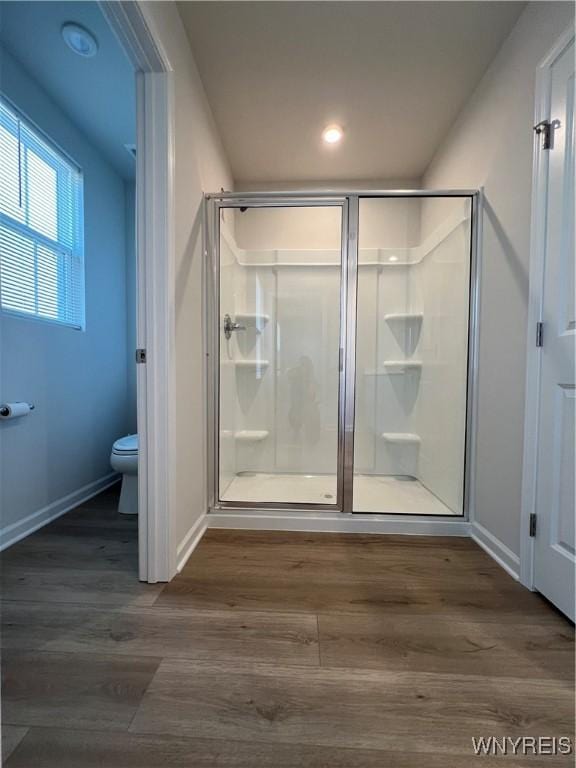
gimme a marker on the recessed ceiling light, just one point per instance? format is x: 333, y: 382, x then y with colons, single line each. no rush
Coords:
x: 392, y: 258
x: 332, y: 134
x: 80, y: 40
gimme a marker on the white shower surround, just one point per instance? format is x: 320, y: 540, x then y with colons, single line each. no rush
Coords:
x: 427, y: 279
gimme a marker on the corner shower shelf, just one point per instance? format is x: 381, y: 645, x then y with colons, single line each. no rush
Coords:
x: 408, y: 316
x: 252, y: 319
x: 402, y: 366
x: 251, y: 435
x: 403, y: 438
x: 251, y: 365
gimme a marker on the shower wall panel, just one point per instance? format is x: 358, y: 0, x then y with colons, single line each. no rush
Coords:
x: 255, y: 309
x: 385, y: 394
x: 306, y: 369
x: 442, y: 282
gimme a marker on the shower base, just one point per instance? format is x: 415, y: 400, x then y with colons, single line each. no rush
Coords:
x: 383, y: 494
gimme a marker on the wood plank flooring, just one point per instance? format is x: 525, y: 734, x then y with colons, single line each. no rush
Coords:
x: 272, y: 650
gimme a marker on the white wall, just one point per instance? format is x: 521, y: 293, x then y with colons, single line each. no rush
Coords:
x: 200, y: 166
x: 490, y: 145
x: 77, y: 380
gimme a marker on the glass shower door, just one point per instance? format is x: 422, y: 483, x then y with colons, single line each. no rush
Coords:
x: 279, y: 279
x: 412, y: 322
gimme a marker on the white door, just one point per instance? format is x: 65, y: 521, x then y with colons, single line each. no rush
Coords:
x: 554, y: 553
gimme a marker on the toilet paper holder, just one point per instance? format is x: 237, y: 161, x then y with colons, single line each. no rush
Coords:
x: 6, y: 409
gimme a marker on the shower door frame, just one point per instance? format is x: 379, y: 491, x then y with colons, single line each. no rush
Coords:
x: 224, y: 201
x: 348, y: 201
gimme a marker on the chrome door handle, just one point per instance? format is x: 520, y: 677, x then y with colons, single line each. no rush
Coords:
x: 230, y: 326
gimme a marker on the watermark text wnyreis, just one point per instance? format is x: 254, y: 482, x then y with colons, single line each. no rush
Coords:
x: 522, y: 745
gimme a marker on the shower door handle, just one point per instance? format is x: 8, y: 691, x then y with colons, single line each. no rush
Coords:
x: 230, y: 326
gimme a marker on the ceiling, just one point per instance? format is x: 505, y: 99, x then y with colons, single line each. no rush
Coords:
x: 80, y: 86
x: 393, y: 74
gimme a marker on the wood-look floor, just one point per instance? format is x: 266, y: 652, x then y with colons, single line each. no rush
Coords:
x: 272, y: 650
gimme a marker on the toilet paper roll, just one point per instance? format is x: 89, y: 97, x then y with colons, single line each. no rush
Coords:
x: 15, y: 410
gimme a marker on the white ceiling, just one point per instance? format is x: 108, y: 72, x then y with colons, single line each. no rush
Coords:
x: 81, y: 87
x: 394, y: 74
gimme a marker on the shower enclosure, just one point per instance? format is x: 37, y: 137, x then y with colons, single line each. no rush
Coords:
x: 341, y: 350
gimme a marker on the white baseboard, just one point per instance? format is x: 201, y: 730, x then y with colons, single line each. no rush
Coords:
x: 190, y: 542
x: 496, y: 549
x: 14, y: 532
x: 336, y: 523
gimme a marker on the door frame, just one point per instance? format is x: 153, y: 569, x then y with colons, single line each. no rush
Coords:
x: 540, y: 163
x: 155, y: 248
x: 316, y: 516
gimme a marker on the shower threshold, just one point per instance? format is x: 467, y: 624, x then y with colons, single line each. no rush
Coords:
x: 381, y: 494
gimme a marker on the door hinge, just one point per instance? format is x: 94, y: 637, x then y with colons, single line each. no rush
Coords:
x: 539, y: 334
x: 544, y: 129
x: 532, y: 523
x: 140, y: 355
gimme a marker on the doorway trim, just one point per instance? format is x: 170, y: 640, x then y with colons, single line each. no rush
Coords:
x: 156, y: 380
x: 540, y: 165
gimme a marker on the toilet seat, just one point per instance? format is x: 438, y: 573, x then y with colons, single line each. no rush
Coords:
x: 126, y: 446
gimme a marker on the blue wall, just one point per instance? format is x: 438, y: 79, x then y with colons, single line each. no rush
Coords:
x: 131, y: 299
x: 79, y: 381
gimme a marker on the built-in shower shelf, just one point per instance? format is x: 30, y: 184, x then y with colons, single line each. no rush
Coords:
x: 251, y: 365
x: 407, y: 316
x: 402, y: 366
x: 252, y: 319
x: 251, y: 435
x: 401, y: 438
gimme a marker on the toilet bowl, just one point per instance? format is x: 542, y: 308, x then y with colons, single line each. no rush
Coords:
x: 124, y: 459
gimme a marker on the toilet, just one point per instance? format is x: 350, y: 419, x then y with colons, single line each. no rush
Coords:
x: 124, y: 459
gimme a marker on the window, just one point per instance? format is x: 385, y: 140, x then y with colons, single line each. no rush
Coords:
x: 41, y: 238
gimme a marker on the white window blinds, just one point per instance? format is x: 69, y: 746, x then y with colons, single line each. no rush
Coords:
x: 41, y: 226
